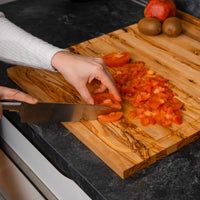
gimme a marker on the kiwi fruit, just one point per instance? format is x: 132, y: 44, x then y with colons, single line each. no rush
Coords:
x: 149, y: 26
x: 172, y: 26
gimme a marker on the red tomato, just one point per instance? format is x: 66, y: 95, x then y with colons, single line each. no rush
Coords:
x: 116, y: 59
x: 177, y: 104
x: 111, y: 117
x: 155, y: 101
x: 160, y: 9
x: 127, y: 89
x: 120, y: 78
x: 177, y: 117
x: 107, y: 99
x: 145, y: 121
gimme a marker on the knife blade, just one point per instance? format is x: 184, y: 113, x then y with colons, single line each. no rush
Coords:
x: 44, y: 112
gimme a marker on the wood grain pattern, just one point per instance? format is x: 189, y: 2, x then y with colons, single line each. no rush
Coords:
x: 126, y: 146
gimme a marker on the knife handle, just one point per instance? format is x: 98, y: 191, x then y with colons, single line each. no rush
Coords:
x: 11, y: 105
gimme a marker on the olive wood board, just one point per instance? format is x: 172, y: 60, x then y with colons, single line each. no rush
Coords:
x: 126, y: 146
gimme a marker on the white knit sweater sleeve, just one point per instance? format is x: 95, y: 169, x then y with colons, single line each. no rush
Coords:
x: 21, y: 48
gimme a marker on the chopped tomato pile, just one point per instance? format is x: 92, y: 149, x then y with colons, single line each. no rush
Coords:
x: 150, y: 94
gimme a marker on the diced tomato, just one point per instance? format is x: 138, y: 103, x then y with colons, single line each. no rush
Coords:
x: 177, y: 104
x: 150, y: 72
x: 145, y: 95
x: 148, y: 113
x: 177, y: 117
x: 120, y: 78
x: 127, y: 89
x: 152, y: 121
x: 111, y: 117
x: 156, y: 102
x: 128, y: 98
x: 150, y: 94
x: 167, y: 122
x: 132, y: 115
x: 145, y: 121
x: 116, y: 59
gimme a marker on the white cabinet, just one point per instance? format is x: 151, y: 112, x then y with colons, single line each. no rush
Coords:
x: 41, y: 172
x: 14, y: 185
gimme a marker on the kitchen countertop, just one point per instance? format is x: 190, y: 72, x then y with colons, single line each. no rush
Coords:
x: 65, y: 23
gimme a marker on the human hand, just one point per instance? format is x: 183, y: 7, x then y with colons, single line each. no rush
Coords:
x: 79, y: 70
x: 13, y: 94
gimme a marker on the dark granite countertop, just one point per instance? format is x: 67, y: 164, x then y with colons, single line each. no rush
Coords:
x: 65, y: 23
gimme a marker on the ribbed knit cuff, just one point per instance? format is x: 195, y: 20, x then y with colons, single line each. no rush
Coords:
x: 21, y: 48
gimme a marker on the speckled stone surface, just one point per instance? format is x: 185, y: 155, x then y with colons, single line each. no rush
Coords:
x: 65, y: 23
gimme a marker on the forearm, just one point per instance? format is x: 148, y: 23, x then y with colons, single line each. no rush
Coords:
x: 21, y: 48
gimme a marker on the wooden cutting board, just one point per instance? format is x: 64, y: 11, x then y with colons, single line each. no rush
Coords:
x: 127, y: 146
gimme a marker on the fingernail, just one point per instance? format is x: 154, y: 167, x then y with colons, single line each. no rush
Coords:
x: 91, y: 101
x: 119, y: 98
x: 34, y: 100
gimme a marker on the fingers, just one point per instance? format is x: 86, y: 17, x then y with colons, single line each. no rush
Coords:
x: 113, y: 90
x: 102, y: 74
x: 84, y: 92
x: 8, y: 93
x: 79, y: 70
x: 107, y: 82
x: 101, y: 89
x: 102, y: 63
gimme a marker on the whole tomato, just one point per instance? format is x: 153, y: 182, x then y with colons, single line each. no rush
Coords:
x: 160, y: 9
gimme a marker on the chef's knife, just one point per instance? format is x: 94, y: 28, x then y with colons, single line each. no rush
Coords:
x: 43, y: 112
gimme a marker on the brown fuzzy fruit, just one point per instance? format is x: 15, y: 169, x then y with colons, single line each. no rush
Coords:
x: 172, y: 26
x: 149, y: 26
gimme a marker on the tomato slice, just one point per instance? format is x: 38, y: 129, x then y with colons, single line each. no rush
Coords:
x: 111, y: 117
x: 115, y: 59
x: 107, y: 99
